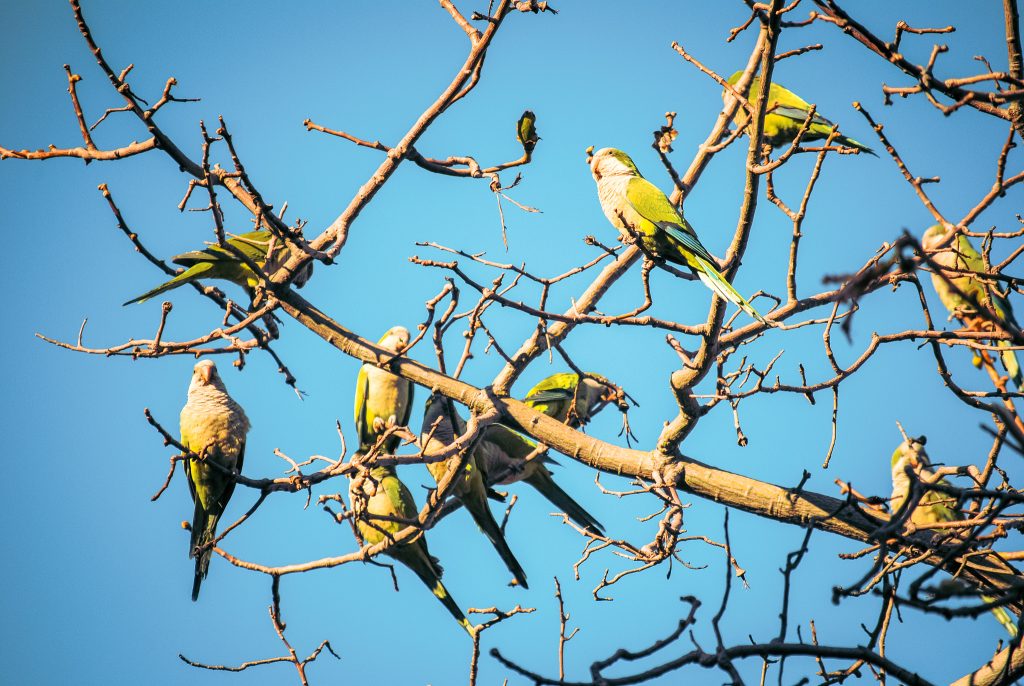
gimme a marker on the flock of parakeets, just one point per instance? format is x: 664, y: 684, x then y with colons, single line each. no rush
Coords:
x: 214, y: 426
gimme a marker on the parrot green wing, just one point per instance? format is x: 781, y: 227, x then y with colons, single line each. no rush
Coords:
x: 253, y: 245
x: 362, y: 388
x: 650, y: 203
x: 407, y: 415
x: 563, y: 382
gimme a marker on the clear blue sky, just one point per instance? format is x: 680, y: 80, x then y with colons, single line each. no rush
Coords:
x: 96, y: 577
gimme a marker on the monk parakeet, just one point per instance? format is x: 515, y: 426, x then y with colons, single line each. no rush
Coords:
x: 216, y: 262
x: 960, y: 256
x: 213, y: 426
x: 934, y: 506
x: 565, y: 398
x: 437, y: 433
x: 508, y: 457
x: 785, y: 113
x: 381, y: 494
x: 639, y: 210
x: 382, y: 398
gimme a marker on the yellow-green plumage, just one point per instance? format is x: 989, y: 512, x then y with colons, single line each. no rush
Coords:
x: 382, y: 494
x: 563, y: 397
x: 642, y: 213
x: 383, y: 399
x: 214, y: 427
x: 934, y: 506
x: 785, y: 114
x: 216, y: 262
x: 437, y: 433
x: 960, y: 256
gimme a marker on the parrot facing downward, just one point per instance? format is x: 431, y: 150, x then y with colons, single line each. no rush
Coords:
x: 785, y: 113
x: 438, y: 432
x: 960, y: 256
x: 934, y: 506
x: 565, y: 398
x: 381, y: 494
x: 508, y: 457
x: 213, y: 426
x: 215, y: 262
x: 640, y: 211
x: 382, y: 398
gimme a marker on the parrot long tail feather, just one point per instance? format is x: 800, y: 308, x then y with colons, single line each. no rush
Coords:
x: 1004, y: 617
x: 850, y: 143
x: 1011, y: 364
x: 546, y: 486
x: 204, y: 530
x: 484, y: 518
x: 429, y: 571
x: 188, y: 275
x: 714, y: 280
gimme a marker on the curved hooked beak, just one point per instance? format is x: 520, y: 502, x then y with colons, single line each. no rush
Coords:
x: 401, y: 346
x: 206, y: 374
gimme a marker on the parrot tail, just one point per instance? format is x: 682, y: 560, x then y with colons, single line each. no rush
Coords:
x: 204, y: 530
x: 484, y: 518
x: 850, y: 143
x: 1004, y: 617
x: 714, y: 280
x: 1011, y: 364
x: 186, y: 276
x: 542, y: 481
x: 427, y: 568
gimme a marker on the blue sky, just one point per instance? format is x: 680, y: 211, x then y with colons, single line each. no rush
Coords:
x: 97, y: 576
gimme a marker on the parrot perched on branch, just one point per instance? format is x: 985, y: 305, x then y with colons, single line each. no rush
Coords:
x: 437, y: 433
x: 509, y: 457
x: 640, y: 211
x: 382, y: 398
x: 215, y: 262
x: 565, y: 398
x: 958, y: 257
x: 934, y: 506
x: 382, y: 494
x: 213, y: 426
x: 785, y: 113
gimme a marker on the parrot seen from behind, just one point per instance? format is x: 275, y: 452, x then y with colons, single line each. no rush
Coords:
x: 214, y: 427
x: 934, y: 506
x: 785, y: 113
x: 640, y: 211
x: 960, y: 256
x: 437, y: 433
x: 215, y: 262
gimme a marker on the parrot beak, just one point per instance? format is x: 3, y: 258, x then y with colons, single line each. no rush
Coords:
x: 206, y: 374
x: 590, y: 153
x: 400, y: 346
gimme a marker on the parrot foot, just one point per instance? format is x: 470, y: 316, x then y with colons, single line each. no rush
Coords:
x: 392, y: 421
x: 378, y: 424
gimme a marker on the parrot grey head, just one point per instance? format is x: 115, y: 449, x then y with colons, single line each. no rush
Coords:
x: 612, y: 162
x: 396, y: 339
x: 204, y: 375
x: 933, y: 236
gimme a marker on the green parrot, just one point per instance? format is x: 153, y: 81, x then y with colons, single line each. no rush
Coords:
x: 382, y: 494
x: 436, y: 434
x: 563, y: 397
x: 638, y: 209
x: 961, y: 256
x: 785, y: 113
x: 934, y: 506
x: 214, y: 427
x: 215, y: 262
x: 503, y: 454
x: 382, y: 398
